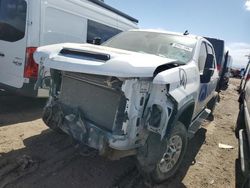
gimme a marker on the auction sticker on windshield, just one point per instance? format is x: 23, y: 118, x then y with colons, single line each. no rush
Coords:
x: 182, y: 47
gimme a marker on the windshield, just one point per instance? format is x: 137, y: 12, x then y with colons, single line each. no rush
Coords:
x: 12, y: 20
x: 160, y: 44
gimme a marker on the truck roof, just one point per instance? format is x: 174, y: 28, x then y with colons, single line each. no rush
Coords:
x: 104, y: 5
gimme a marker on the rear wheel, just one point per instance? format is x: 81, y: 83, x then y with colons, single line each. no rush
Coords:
x: 160, y: 159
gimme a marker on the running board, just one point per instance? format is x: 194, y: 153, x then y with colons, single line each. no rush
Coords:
x: 196, y: 124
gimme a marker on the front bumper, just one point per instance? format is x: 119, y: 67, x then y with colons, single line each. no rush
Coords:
x: 72, y: 122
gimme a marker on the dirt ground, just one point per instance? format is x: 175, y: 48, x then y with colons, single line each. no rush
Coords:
x: 32, y: 156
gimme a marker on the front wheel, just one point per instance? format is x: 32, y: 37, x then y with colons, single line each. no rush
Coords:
x: 160, y: 159
x: 52, y: 117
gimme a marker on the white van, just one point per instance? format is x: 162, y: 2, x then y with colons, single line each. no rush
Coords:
x: 28, y: 24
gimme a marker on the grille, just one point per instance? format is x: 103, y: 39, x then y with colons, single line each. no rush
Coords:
x: 92, y: 96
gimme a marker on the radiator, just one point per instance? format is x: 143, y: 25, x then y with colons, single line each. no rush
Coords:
x: 100, y: 103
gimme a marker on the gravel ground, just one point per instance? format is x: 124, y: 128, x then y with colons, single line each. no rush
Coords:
x: 33, y: 156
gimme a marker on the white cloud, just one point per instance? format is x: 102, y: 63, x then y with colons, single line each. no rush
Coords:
x: 239, y: 51
x: 247, y: 4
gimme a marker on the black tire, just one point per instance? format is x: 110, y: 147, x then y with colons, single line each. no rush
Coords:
x: 240, y: 123
x: 153, y: 157
x: 52, y: 117
x: 246, y: 183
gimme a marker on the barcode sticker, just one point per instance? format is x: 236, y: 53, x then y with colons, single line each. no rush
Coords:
x: 182, y: 47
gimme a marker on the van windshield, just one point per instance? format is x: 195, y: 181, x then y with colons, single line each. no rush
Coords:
x: 12, y: 19
x: 161, y: 44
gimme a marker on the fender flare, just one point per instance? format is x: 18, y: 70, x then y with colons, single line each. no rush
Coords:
x: 177, y: 114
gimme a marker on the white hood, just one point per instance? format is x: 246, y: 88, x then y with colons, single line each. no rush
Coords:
x: 121, y: 63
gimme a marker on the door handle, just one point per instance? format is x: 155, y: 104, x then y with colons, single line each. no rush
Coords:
x: 17, y: 63
x: 2, y: 54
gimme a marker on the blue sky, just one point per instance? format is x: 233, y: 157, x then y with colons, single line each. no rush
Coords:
x: 225, y: 19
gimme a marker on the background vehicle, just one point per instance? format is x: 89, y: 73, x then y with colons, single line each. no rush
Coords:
x: 227, y: 71
x: 27, y: 24
x: 244, y: 78
x: 142, y: 93
x: 224, y: 62
x: 242, y: 130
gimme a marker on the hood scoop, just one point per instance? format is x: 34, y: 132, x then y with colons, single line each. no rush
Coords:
x: 83, y: 54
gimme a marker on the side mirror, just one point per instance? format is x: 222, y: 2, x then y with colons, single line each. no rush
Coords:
x: 97, y: 41
x: 208, y: 69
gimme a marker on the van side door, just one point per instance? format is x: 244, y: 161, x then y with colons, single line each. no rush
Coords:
x: 13, y: 41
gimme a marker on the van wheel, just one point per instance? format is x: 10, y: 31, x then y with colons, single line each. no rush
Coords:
x: 160, y: 159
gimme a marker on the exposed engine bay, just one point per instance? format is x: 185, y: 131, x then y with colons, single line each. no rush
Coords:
x: 103, y: 111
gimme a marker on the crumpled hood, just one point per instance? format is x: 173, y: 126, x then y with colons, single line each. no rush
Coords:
x: 120, y: 63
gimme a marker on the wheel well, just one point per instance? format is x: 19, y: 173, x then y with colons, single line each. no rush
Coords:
x: 186, y: 116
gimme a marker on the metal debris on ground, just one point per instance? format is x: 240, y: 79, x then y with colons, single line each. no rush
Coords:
x: 225, y: 146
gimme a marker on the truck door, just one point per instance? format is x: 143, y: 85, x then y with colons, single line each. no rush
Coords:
x: 212, y: 84
x: 13, y: 16
x: 207, y: 86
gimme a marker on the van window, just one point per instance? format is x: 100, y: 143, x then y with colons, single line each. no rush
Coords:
x: 99, y: 30
x: 12, y: 19
x: 55, y: 32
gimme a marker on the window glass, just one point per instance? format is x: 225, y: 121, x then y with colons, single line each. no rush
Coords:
x: 161, y: 44
x: 12, y: 20
x: 54, y: 33
x: 210, y: 51
x: 102, y: 31
x: 202, y: 57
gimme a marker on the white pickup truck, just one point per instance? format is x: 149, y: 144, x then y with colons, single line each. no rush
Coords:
x: 143, y: 93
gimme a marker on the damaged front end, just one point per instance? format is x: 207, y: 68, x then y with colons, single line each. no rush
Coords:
x: 112, y: 115
x: 105, y: 97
